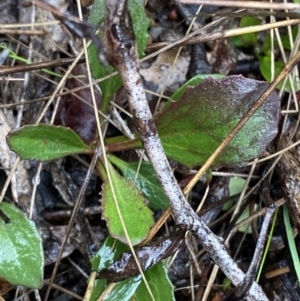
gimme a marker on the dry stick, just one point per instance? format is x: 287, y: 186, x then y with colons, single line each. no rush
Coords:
x: 252, y: 270
x: 37, y: 66
x: 197, y: 36
x: 121, y: 52
x: 22, y: 31
x: 18, y: 25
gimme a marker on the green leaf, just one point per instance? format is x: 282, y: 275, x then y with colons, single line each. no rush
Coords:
x: 123, y: 290
x: 146, y: 181
x: 159, y: 283
x: 192, y: 127
x: 226, y: 284
x: 140, y: 25
x: 246, y: 213
x: 21, y: 252
x: 140, y: 20
x: 44, y: 142
x: 108, y: 86
x: 97, y: 13
x: 98, y: 289
x: 265, y: 69
x: 291, y: 240
x: 236, y: 185
x: 136, y: 215
x: 193, y: 82
x: 285, y: 39
x: 249, y: 38
x: 112, y: 84
x: 110, y: 251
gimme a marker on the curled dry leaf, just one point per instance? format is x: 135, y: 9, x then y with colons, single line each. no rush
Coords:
x: 148, y: 256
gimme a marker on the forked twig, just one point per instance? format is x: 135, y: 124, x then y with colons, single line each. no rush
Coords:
x: 121, y: 53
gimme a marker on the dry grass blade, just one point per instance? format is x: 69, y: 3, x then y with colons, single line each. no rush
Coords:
x: 38, y: 66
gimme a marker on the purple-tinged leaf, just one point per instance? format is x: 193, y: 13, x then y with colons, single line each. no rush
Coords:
x: 192, y: 127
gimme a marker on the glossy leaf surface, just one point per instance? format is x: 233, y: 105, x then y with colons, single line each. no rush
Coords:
x: 123, y: 290
x: 98, y: 289
x: 136, y: 215
x: 110, y: 251
x: 159, y: 283
x: 145, y: 180
x: 192, y: 127
x: 21, y: 251
x: 44, y: 142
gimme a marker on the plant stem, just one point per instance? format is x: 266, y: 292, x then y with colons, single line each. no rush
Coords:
x: 123, y: 145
